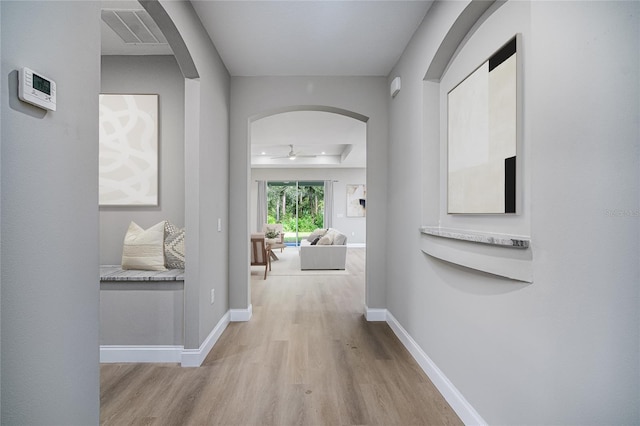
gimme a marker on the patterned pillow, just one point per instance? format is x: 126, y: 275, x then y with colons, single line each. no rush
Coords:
x: 173, y: 246
x: 144, y: 249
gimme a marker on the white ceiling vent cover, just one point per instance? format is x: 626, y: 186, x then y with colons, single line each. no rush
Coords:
x: 133, y: 26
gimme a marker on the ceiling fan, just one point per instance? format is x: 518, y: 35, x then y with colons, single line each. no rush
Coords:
x: 293, y: 155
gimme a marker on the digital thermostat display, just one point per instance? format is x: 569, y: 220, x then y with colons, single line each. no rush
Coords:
x: 37, y: 89
x: 41, y: 84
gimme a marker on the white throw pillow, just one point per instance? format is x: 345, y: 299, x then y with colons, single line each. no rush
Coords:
x: 326, y: 240
x: 320, y: 232
x: 339, y: 239
x: 144, y: 249
x: 333, y: 233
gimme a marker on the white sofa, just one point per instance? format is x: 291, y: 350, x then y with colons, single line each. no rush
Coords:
x: 320, y: 256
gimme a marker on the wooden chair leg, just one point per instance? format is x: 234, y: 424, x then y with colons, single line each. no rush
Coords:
x: 268, y: 265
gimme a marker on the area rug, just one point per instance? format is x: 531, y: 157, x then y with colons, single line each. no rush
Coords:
x: 288, y: 264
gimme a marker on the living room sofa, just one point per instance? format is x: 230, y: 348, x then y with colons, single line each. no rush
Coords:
x: 328, y: 252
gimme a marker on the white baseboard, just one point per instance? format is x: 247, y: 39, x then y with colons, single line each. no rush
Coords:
x: 372, y: 314
x: 130, y: 353
x: 195, y: 357
x: 164, y: 354
x: 241, y: 315
x: 458, y: 403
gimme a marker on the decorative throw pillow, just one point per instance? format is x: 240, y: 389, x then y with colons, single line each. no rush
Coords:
x: 144, y: 249
x: 315, y: 241
x: 173, y: 246
x: 339, y: 239
x: 326, y: 240
x: 317, y: 233
x: 332, y: 234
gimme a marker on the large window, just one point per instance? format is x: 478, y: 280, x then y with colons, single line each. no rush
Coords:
x: 298, y: 206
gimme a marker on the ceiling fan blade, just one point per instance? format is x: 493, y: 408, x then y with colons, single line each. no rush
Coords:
x: 296, y: 156
x: 293, y: 155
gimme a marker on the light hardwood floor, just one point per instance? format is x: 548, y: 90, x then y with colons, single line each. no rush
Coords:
x: 307, y: 357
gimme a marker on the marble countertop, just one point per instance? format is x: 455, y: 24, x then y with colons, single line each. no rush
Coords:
x: 116, y: 273
x: 502, y: 240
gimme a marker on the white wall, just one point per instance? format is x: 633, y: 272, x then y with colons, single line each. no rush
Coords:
x: 148, y: 75
x: 253, y: 96
x: 1, y: 238
x: 142, y: 313
x: 353, y: 227
x: 50, y: 281
x: 563, y: 350
x: 207, y: 175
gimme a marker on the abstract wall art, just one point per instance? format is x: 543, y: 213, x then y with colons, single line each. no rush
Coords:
x: 356, y: 200
x: 482, y: 137
x: 128, y: 140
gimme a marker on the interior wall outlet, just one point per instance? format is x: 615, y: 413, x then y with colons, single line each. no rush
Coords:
x: 213, y: 296
x: 219, y: 226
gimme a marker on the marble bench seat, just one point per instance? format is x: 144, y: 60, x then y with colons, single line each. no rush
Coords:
x: 116, y: 273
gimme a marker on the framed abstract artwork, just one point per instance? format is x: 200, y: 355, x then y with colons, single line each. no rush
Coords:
x: 482, y: 137
x: 128, y: 150
x: 356, y: 200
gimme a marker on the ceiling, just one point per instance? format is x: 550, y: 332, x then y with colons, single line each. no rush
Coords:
x: 310, y: 38
x: 319, y: 139
x: 297, y: 38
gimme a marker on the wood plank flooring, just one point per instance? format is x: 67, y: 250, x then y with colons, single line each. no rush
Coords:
x: 307, y: 357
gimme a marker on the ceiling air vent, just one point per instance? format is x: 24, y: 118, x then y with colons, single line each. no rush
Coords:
x: 133, y: 26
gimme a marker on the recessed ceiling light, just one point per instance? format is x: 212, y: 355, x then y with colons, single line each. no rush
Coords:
x: 263, y: 153
x: 323, y: 153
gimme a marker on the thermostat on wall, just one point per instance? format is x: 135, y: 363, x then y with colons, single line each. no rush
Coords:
x: 37, y: 89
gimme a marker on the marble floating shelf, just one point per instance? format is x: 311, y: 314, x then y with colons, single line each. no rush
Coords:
x: 477, y: 237
x: 481, y: 251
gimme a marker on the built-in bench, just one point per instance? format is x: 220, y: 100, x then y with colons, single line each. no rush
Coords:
x: 141, y: 315
x: 142, y: 318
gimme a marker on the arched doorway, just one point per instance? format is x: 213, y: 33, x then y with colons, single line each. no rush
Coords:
x: 328, y: 146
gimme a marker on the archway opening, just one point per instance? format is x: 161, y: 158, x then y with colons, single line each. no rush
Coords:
x: 312, y: 145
